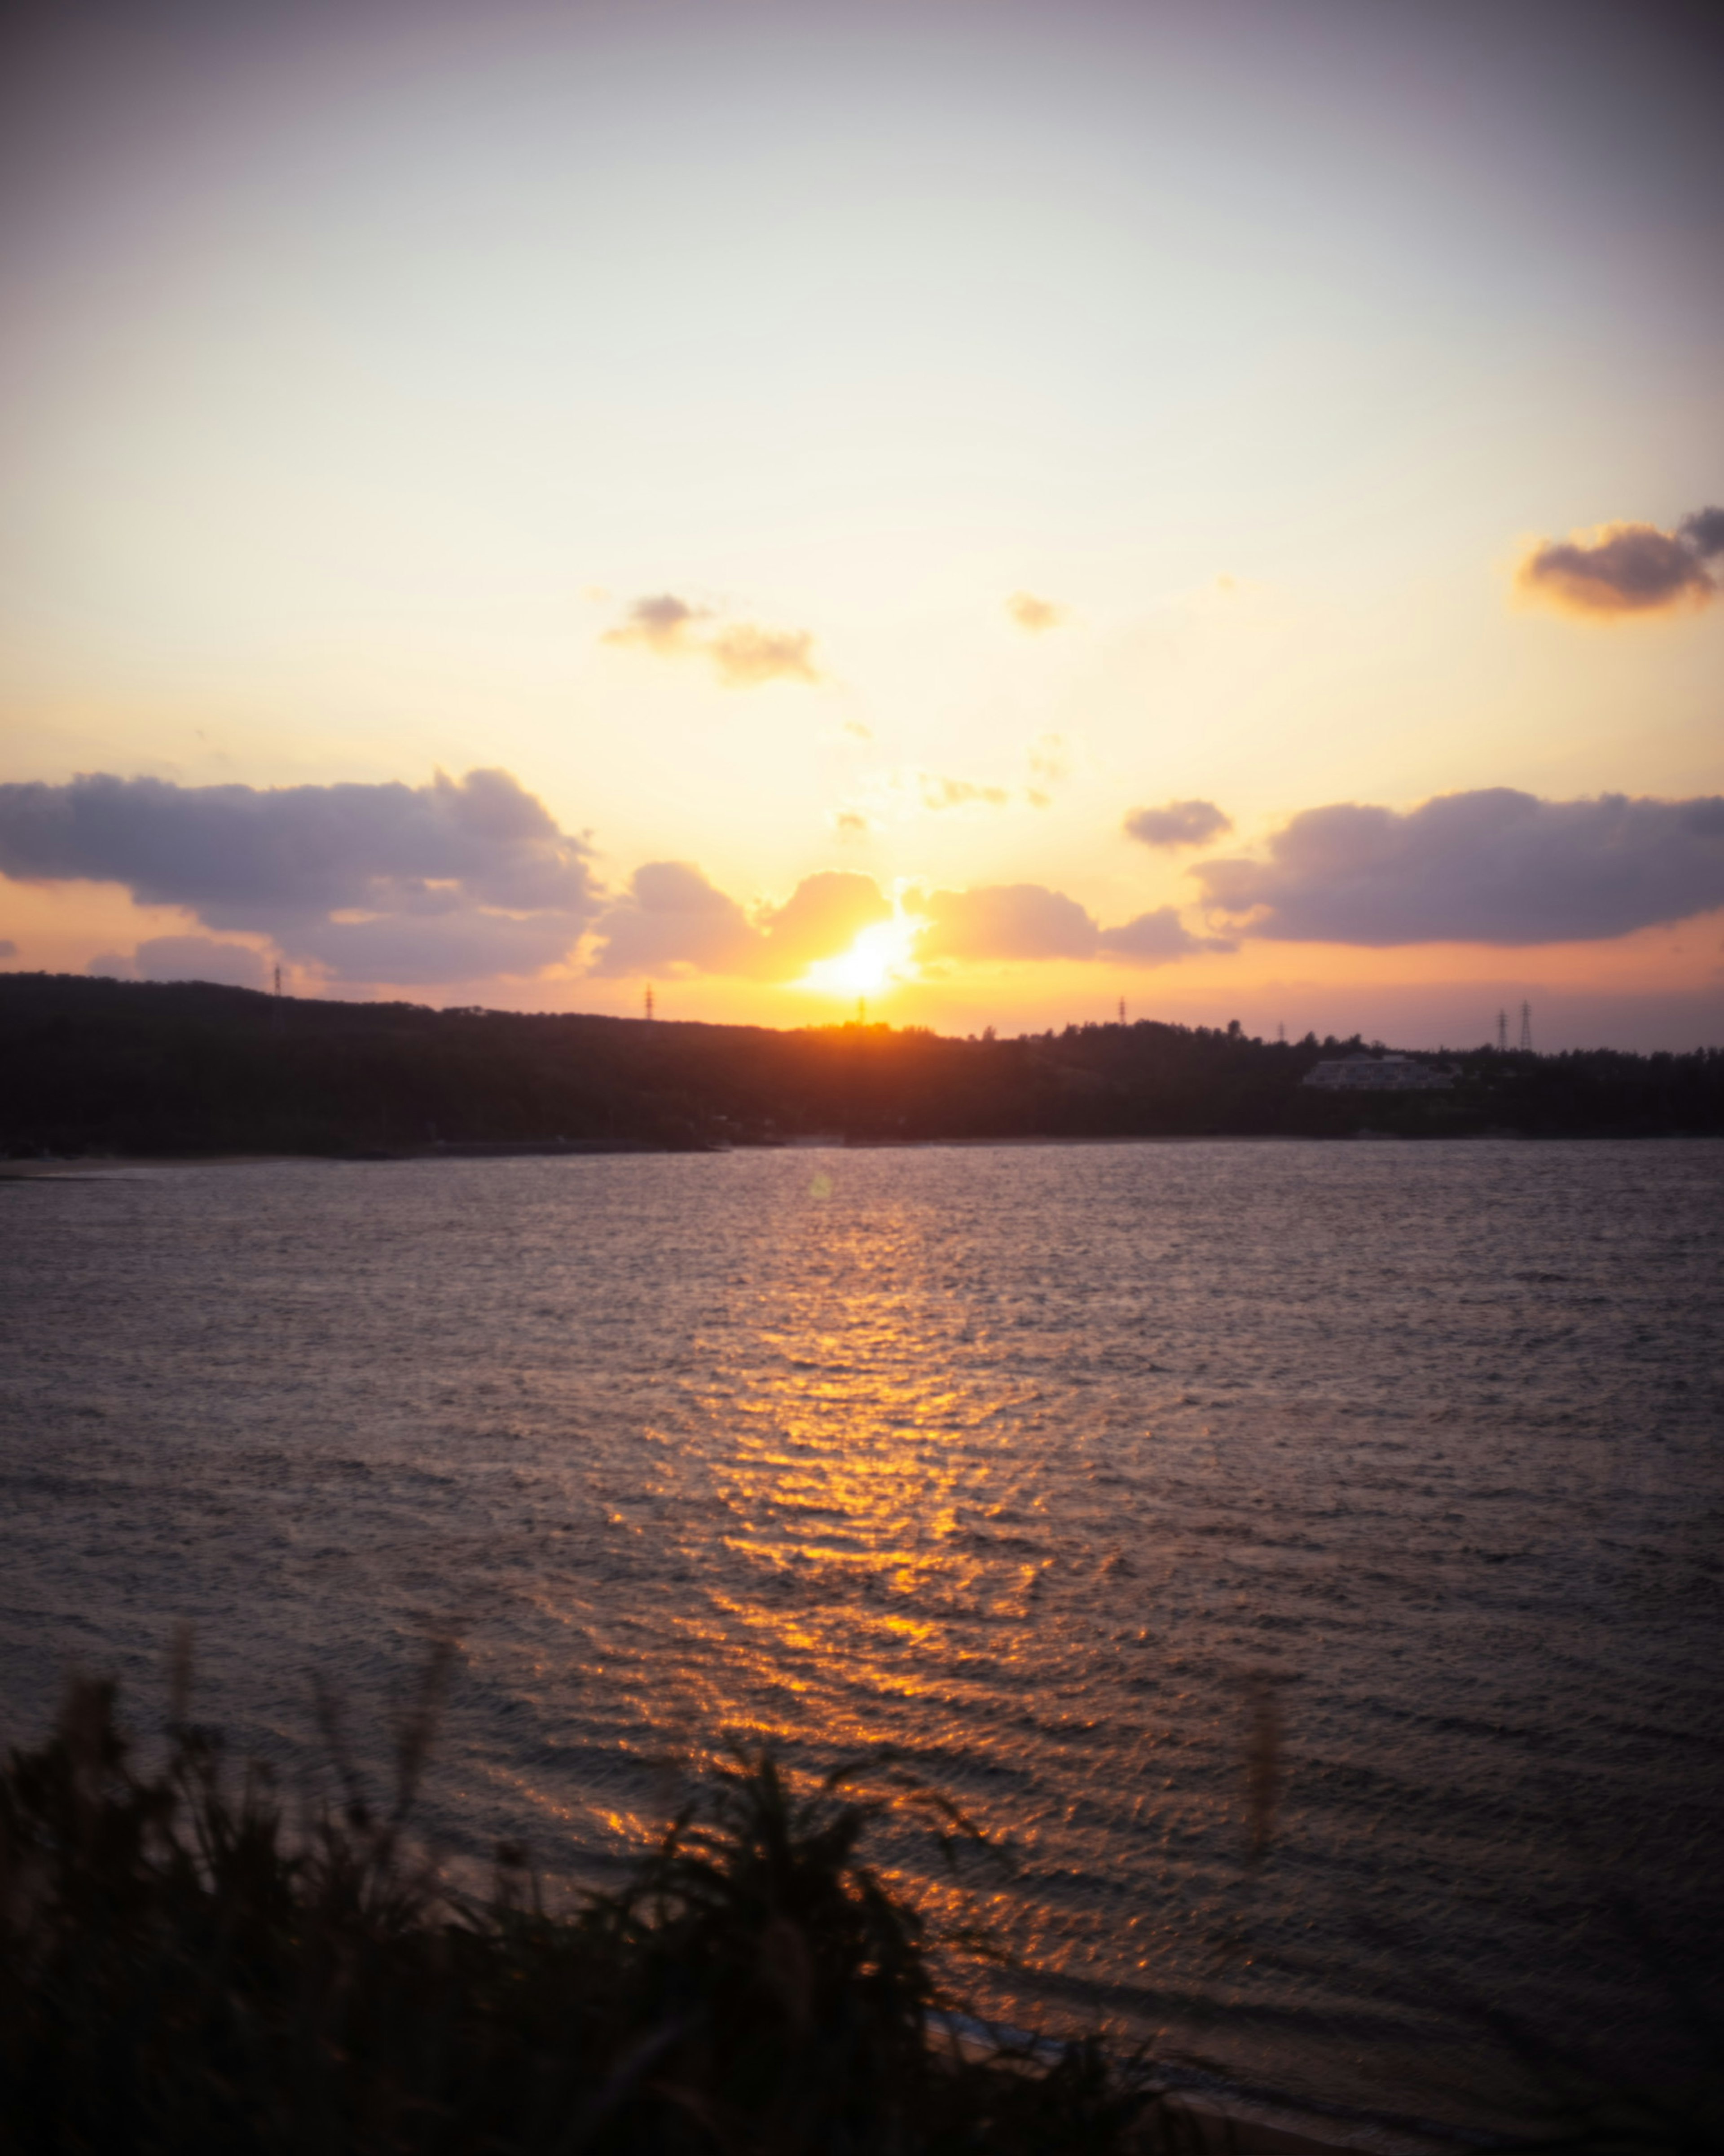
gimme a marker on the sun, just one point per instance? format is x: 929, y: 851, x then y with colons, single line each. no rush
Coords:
x: 879, y: 957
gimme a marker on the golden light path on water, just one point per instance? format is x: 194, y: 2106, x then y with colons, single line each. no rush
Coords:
x: 1042, y: 1465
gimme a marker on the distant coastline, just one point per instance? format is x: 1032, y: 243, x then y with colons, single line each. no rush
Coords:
x: 136, y: 1070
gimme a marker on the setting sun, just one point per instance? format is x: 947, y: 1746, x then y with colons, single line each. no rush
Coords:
x: 879, y: 956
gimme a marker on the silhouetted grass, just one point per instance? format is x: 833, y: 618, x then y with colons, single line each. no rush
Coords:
x: 180, y: 1971
x: 183, y: 1971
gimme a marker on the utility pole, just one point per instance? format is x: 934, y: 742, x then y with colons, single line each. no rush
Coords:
x: 1526, y: 1029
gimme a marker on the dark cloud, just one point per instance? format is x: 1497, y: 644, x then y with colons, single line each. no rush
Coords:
x: 456, y: 881
x: 1494, y: 866
x: 8, y: 949
x: 742, y: 655
x: 672, y: 918
x: 1627, y: 568
x: 1178, y: 824
x: 1027, y: 920
x: 1035, y: 614
x: 185, y: 959
x: 1704, y: 531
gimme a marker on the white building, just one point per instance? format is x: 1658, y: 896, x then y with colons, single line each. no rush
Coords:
x: 1379, y: 1073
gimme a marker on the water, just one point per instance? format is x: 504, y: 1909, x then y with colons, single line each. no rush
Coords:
x: 1042, y: 1463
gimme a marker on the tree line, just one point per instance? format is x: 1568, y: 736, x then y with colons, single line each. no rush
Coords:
x: 140, y: 1068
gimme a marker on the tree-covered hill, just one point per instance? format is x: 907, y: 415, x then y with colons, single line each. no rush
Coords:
x: 108, y: 1066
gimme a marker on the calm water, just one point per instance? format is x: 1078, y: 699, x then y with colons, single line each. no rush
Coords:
x: 1031, y: 1460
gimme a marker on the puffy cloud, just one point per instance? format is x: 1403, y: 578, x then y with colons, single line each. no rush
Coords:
x: 659, y: 624
x: 1494, y: 866
x: 1004, y: 921
x: 1178, y: 824
x: 1153, y: 938
x: 8, y: 949
x: 1027, y: 920
x: 672, y: 918
x: 823, y: 915
x: 1627, y: 568
x: 745, y: 656
x: 740, y: 654
x: 185, y: 959
x: 456, y: 881
x: 850, y: 824
x: 1035, y: 614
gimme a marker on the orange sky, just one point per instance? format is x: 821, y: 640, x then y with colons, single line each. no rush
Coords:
x: 902, y: 444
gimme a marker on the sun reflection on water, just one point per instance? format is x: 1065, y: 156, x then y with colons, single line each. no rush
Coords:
x: 1029, y: 1464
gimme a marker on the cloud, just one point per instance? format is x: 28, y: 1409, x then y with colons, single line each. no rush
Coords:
x: 1035, y: 614
x: 1704, y: 531
x: 672, y: 918
x: 908, y: 789
x: 1048, y: 767
x: 185, y: 959
x: 1153, y: 938
x: 850, y: 824
x: 8, y: 949
x: 746, y: 656
x: 1494, y: 866
x: 659, y: 624
x: 937, y: 792
x: 823, y: 915
x: 1626, y: 568
x: 456, y: 881
x: 1026, y: 921
x: 1178, y: 824
x: 742, y: 655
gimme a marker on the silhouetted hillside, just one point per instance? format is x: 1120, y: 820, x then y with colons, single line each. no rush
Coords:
x: 98, y: 1066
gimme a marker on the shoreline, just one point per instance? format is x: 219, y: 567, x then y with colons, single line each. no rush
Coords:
x: 86, y: 1167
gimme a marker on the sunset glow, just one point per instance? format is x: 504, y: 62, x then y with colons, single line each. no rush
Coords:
x: 588, y: 485
x: 880, y: 958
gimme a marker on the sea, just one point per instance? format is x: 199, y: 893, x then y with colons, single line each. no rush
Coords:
x: 1305, y: 1561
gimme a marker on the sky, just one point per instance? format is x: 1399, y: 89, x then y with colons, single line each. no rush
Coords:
x: 992, y: 510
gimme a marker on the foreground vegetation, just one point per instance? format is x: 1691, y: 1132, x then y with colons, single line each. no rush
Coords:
x: 179, y: 1973
x: 130, y: 1067
x: 184, y: 1971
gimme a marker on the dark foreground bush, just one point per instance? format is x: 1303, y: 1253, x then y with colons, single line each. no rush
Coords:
x: 181, y: 1973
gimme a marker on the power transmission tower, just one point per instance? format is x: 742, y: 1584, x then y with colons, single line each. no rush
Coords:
x: 1526, y: 1029
x: 650, y: 1001
x: 1502, y: 1032
x: 1122, y: 1010
x: 1281, y: 1031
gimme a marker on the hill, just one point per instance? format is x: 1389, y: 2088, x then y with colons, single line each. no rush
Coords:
x: 110, y: 1066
